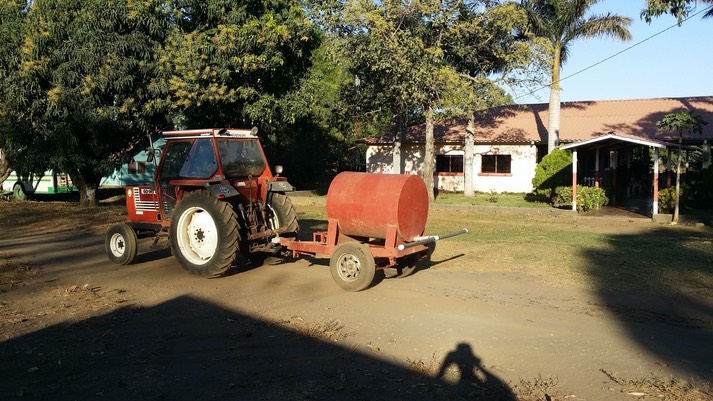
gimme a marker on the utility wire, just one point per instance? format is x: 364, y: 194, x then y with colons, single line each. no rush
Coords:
x: 615, y: 54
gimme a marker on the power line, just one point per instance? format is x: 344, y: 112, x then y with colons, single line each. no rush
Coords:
x: 615, y: 54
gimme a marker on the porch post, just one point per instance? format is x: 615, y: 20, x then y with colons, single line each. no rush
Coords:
x: 574, y: 179
x: 655, y: 202
x: 596, y: 170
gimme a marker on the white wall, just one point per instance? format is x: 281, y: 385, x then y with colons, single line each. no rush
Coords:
x: 523, y: 161
x: 524, y: 158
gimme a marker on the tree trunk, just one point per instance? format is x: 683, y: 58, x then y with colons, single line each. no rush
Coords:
x: 553, y: 126
x: 429, y: 156
x: 468, y: 168
x: 396, y: 161
x: 87, y: 190
x: 5, y: 169
x: 678, y: 182
x: 397, y: 149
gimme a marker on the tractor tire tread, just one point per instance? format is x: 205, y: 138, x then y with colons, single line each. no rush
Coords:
x: 226, y: 220
x: 286, y: 212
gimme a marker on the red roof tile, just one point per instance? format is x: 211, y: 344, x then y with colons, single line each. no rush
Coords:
x: 579, y: 121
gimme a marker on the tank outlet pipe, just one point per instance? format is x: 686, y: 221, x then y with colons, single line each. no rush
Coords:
x: 430, y: 238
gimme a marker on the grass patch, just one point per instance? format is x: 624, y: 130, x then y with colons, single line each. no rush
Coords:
x: 671, y: 389
x: 493, y: 199
x: 595, y: 253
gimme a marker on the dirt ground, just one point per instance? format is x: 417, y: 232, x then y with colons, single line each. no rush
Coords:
x: 74, y: 326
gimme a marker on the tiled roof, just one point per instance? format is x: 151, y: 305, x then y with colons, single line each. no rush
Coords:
x: 578, y: 121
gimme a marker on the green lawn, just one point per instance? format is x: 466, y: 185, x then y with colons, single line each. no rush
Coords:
x: 566, y: 250
x: 493, y: 199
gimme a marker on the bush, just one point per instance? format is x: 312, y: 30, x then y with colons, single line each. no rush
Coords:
x: 553, y: 171
x: 562, y: 197
x: 667, y: 199
x: 588, y: 198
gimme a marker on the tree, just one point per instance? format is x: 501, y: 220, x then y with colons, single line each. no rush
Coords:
x: 230, y: 63
x: 391, y: 49
x: 561, y: 22
x: 678, y: 8
x: 96, y: 77
x: 429, y: 57
x: 682, y: 122
x: 77, y: 100
x: 483, y: 49
x: 12, y: 16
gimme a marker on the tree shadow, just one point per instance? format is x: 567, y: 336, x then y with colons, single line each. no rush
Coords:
x: 191, y: 349
x: 673, y: 324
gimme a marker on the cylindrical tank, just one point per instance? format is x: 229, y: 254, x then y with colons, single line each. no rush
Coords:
x: 366, y: 204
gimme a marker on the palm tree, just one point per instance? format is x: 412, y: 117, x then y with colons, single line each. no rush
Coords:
x: 560, y: 22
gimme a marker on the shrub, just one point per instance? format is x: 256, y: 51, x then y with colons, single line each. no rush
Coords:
x: 562, y: 197
x: 493, y: 198
x: 667, y: 199
x: 588, y: 198
x: 553, y: 171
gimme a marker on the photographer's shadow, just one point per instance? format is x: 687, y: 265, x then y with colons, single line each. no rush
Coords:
x: 462, y: 369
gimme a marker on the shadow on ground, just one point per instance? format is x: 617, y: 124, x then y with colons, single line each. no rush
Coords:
x: 190, y: 349
x: 667, y: 321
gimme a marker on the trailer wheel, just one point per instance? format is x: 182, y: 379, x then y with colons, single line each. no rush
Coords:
x: 352, y: 266
x: 283, y: 214
x: 120, y: 244
x: 204, y: 234
x: 19, y: 192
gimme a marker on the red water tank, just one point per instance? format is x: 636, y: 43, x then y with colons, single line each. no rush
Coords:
x: 366, y: 204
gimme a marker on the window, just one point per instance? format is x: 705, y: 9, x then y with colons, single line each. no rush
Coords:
x: 186, y: 159
x: 241, y: 157
x: 137, y: 167
x: 495, y: 164
x: 449, y: 164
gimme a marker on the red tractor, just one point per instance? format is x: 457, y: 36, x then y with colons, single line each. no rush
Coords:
x: 213, y: 197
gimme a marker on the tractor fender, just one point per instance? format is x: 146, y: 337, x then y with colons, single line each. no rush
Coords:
x: 279, y: 186
x: 222, y: 191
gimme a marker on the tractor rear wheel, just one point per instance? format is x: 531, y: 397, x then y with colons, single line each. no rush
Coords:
x: 204, y: 234
x: 121, y: 244
x: 283, y: 214
x: 352, y: 266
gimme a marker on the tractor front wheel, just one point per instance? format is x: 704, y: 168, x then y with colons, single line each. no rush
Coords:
x: 204, y: 234
x: 120, y: 244
x: 352, y: 266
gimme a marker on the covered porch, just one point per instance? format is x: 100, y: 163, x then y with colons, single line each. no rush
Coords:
x: 623, y: 166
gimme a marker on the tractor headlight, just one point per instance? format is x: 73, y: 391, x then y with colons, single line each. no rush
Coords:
x: 278, y: 169
x: 129, y: 192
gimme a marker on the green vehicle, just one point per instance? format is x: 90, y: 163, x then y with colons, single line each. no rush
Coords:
x: 51, y: 182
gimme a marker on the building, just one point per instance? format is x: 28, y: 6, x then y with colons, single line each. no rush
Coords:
x: 510, y: 140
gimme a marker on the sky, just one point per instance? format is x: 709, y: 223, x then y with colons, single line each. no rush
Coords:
x: 675, y: 63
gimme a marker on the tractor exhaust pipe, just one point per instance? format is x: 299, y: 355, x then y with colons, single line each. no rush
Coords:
x: 430, y: 238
